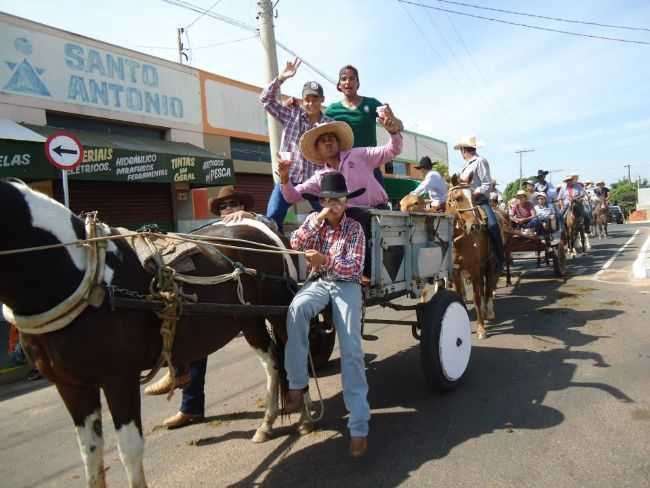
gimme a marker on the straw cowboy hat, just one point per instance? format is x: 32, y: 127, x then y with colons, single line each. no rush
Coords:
x: 341, y: 130
x: 468, y: 141
x: 229, y: 193
x: 521, y: 193
x: 541, y: 194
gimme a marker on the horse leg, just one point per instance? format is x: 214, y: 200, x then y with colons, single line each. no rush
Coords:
x: 258, y: 338
x: 84, y: 406
x: 477, y: 287
x: 123, y: 398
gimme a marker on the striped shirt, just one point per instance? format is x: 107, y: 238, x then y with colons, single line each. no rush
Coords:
x: 295, y: 122
x: 343, y: 246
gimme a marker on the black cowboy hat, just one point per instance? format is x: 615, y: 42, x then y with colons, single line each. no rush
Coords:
x: 425, y: 163
x: 541, y: 173
x: 332, y: 185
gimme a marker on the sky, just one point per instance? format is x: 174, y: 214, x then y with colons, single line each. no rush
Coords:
x: 582, y: 104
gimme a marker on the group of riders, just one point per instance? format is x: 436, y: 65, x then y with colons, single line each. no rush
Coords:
x: 330, y: 158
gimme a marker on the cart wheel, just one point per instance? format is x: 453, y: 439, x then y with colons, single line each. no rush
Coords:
x: 559, y: 259
x: 446, y: 343
x: 322, y: 337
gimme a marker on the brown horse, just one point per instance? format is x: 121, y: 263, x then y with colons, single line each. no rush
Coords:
x: 474, y: 254
x: 107, y: 349
x: 574, y: 225
x: 600, y: 214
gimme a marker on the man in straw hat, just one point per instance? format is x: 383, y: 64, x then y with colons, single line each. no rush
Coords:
x: 331, y: 145
x: 476, y: 173
x: 296, y: 119
x: 231, y: 206
x: 334, y: 247
x: 522, y: 213
x: 433, y: 185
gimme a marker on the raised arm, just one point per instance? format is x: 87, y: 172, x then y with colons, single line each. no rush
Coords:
x: 269, y: 96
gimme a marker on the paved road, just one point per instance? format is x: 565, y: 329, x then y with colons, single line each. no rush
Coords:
x: 558, y: 395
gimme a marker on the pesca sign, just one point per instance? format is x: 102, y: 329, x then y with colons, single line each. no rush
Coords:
x: 27, y: 160
x: 35, y: 63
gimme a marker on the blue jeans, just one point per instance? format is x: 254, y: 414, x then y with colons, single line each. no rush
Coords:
x: 277, y: 207
x: 193, y: 402
x: 312, y: 298
x: 495, y: 234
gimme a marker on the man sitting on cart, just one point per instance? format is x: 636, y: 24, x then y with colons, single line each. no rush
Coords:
x: 549, y: 217
x: 334, y: 247
x: 522, y: 213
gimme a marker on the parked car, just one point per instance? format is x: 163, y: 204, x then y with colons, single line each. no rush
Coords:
x: 615, y: 214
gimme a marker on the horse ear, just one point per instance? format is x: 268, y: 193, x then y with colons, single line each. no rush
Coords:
x: 454, y: 179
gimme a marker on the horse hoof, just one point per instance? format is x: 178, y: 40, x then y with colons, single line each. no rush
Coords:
x: 306, y: 428
x: 261, y: 436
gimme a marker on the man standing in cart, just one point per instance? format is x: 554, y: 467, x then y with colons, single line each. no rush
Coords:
x: 360, y: 113
x: 334, y: 246
x: 296, y: 119
x: 476, y: 173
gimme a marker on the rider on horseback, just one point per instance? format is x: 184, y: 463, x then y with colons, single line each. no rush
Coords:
x: 573, y: 191
x: 476, y: 173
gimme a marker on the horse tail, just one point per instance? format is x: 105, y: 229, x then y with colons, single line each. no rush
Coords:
x: 280, y: 338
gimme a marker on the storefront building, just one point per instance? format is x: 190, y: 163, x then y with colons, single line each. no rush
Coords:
x: 159, y: 138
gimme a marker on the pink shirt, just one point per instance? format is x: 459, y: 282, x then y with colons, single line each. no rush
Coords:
x: 357, y: 165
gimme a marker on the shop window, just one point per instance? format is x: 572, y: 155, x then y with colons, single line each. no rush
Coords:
x: 250, y: 150
x: 65, y: 121
x: 396, y: 168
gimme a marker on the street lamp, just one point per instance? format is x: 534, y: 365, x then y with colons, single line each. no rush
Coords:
x: 521, y: 164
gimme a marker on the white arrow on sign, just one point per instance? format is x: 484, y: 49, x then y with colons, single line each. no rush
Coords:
x: 64, y: 150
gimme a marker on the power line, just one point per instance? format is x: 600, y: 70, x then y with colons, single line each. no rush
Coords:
x: 202, y: 14
x: 548, y: 29
x: 556, y: 19
x: 223, y: 43
x: 250, y: 28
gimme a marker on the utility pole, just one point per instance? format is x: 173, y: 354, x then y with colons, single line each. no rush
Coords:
x: 179, y: 33
x: 267, y: 36
x: 550, y: 174
x: 629, y: 177
x: 521, y: 163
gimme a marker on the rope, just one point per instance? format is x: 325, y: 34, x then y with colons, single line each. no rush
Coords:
x: 321, y: 414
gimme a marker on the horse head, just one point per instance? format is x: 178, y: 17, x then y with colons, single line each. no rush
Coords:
x: 36, y: 280
x: 459, y: 204
x: 412, y: 203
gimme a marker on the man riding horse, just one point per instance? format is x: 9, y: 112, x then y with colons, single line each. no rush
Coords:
x: 476, y: 174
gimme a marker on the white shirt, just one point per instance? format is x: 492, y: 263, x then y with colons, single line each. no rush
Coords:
x: 477, y: 173
x: 544, y: 212
x: 436, y: 187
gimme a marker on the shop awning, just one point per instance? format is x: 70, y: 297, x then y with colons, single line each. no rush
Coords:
x: 12, y: 131
x: 113, y: 157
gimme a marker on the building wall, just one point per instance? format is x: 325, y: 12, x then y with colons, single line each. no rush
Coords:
x: 644, y: 199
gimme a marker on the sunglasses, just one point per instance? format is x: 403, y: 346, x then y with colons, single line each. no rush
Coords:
x: 229, y: 204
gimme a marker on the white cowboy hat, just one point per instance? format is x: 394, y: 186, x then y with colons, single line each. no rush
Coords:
x: 468, y: 141
x: 541, y: 194
x: 521, y: 193
x: 568, y: 177
x: 341, y: 130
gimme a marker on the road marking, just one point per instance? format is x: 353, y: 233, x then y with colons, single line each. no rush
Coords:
x: 616, y: 254
x: 639, y: 267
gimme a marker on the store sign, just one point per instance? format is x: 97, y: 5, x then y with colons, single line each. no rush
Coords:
x: 27, y: 160
x: 34, y: 63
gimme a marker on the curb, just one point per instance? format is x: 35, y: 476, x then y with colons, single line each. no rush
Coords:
x: 641, y: 267
x: 13, y: 375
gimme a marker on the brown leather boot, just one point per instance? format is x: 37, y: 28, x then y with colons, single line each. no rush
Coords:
x: 358, y: 446
x: 181, y: 420
x: 164, y: 385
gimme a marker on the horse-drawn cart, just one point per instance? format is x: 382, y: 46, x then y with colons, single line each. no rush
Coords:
x: 550, y: 251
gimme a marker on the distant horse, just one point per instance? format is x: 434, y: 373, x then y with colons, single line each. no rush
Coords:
x: 474, y: 254
x: 599, y: 215
x: 574, y: 225
x: 107, y: 349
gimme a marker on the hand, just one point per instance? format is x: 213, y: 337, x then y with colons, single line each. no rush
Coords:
x: 292, y: 102
x: 290, y: 69
x: 283, y: 169
x: 238, y: 216
x: 322, y: 215
x: 314, y: 258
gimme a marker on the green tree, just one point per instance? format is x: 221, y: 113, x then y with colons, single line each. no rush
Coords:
x: 441, y: 168
x: 514, y: 186
x: 624, y: 194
